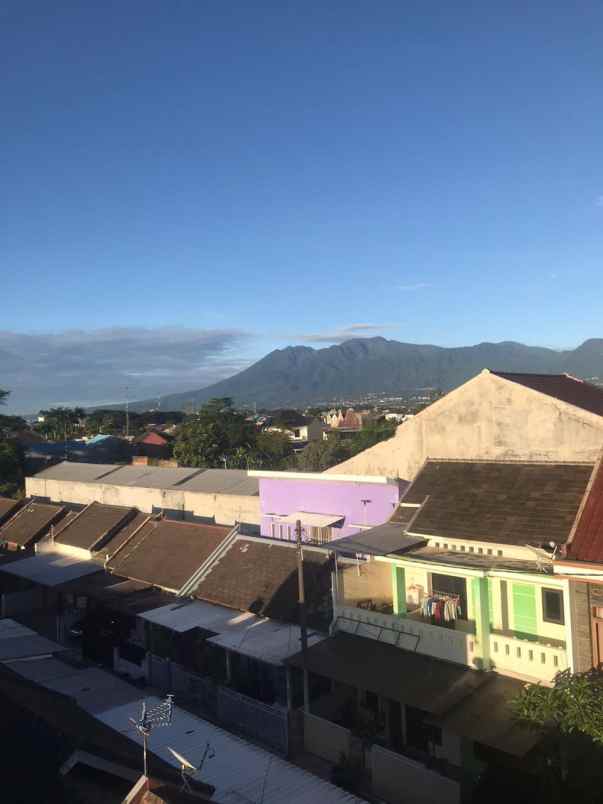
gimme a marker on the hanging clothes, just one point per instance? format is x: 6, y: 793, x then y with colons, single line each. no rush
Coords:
x: 441, y: 608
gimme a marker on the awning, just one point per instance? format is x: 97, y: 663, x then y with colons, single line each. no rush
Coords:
x: 314, y: 520
x: 410, y: 678
x: 51, y: 569
x: 379, y: 541
x: 19, y: 642
x: 265, y: 640
x: 486, y: 718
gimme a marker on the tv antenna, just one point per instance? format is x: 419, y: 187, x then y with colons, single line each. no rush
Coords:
x: 187, y: 770
x: 159, y: 715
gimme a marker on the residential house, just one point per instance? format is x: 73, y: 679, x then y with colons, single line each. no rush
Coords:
x: 31, y: 522
x: 580, y: 562
x: 153, y: 445
x: 328, y: 507
x: 494, y: 416
x: 456, y: 595
x: 8, y: 507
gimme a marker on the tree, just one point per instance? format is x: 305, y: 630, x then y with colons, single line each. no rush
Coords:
x: 569, y: 718
x: 11, y: 460
x: 220, y: 436
x: 60, y: 423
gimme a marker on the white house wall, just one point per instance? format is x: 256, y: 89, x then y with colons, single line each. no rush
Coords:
x: 489, y: 418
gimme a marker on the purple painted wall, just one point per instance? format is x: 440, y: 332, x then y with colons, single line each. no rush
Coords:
x: 282, y: 496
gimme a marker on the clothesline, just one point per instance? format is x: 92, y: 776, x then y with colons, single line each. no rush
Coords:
x: 441, y: 607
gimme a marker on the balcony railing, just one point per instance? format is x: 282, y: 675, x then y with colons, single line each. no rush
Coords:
x: 528, y: 658
x: 408, y: 633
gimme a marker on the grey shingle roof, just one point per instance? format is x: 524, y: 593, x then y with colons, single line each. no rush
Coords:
x: 504, y: 502
x: 167, y: 553
x: 261, y: 576
x: 94, y: 525
x: 30, y: 523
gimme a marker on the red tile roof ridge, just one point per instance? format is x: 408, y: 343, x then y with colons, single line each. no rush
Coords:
x: 596, y: 475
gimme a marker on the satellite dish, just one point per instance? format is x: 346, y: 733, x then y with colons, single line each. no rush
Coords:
x: 182, y: 760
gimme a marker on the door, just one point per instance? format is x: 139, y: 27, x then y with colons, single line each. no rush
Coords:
x: 597, y: 621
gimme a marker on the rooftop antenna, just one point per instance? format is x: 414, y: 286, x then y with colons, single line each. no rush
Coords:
x: 159, y: 715
x: 187, y: 770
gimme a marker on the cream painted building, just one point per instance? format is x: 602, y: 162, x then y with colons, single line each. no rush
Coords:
x: 494, y: 416
x: 225, y: 496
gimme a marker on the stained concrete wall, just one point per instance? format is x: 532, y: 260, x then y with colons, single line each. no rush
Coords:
x: 489, y: 418
x: 225, y: 509
x: 581, y: 626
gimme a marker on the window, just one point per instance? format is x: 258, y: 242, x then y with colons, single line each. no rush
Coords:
x: 552, y: 606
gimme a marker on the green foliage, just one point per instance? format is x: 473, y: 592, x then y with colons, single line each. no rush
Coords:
x: 321, y: 455
x: 220, y: 437
x: 11, y: 468
x: 11, y: 458
x: 573, y: 705
x: 61, y: 423
x: 569, y: 718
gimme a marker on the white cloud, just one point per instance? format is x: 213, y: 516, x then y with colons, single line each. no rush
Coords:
x: 91, y: 367
x: 346, y: 333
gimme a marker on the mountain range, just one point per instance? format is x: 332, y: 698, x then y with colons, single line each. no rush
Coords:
x: 300, y: 375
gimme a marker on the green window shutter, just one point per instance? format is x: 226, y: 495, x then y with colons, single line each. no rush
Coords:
x: 524, y: 609
x: 399, y: 590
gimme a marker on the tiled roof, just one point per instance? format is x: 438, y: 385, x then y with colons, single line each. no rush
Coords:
x: 587, y: 542
x: 167, y: 553
x: 31, y: 523
x: 123, y: 534
x: 504, y: 502
x: 563, y: 387
x: 7, y: 508
x: 93, y: 525
x: 261, y: 576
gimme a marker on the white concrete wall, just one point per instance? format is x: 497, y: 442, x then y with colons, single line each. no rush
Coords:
x: 487, y: 417
x: 226, y: 508
x: 325, y: 739
x: 399, y: 780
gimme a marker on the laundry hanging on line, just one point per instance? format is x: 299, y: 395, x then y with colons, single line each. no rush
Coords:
x: 443, y: 608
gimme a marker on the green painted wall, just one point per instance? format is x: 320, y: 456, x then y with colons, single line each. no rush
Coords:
x: 525, y: 619
x: 399, y: 590
x: 481, y: 614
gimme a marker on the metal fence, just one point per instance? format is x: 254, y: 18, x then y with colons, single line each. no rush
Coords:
x: 266, y: 724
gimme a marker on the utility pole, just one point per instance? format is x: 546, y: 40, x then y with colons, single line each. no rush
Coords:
x: 301, y: 600
x: 127, y: 413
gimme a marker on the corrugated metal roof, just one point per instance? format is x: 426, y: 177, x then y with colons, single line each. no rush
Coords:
x: 239, y: 771
x: 378, y: 541
x: 208, y: 481
x: 182, y: 616
x: 17, y: 641
x: 148, y: 476
x: 223, y: 481
x: 93, y: 689
x: 84, y: 472
x: 50, y: 569
x: 267, y: 640
x: 243, y: 632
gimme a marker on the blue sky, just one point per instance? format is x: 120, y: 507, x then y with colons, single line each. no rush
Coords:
x: 272, y: 173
